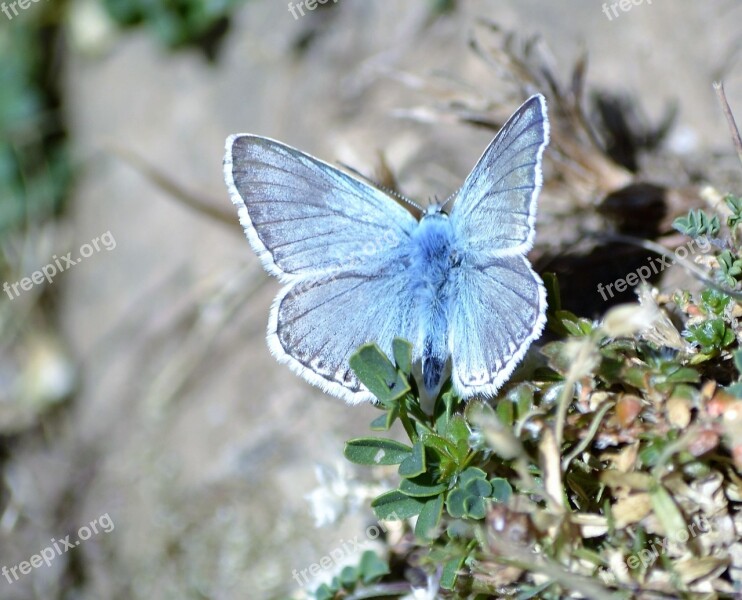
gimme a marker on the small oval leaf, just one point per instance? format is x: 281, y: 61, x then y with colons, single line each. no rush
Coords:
x: 376, y: 451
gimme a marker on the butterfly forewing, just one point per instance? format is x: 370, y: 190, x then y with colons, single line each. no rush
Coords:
x: 495, y: 210
x: 303, y: 216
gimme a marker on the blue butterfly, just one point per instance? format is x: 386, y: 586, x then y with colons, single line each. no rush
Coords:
x: 357, y: 267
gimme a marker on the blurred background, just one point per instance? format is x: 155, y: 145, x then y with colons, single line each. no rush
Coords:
x: 135, y: 382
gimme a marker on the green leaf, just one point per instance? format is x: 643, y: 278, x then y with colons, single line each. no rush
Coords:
x: 457, y: 430
x: 423, y: 486
x: 444, y: 408
x: 378, y: 374
x: 372, y: 567
x: 475, y: 507
x: 395, y: 506
x: 414, y: 464
x: 505, y: 412
x: 470, y: 474
x: 450, y: 574
x: 712, y: 334
x: 441, y: 422
x: 441, y: 446
x: 349, y: 577
x: 651, y: 453
x: 385, y: 421
x: 402, y: 351
x: 323, y: 592
x: 735, y: 205
x: 522, y: 397
x: 730, y: 267
x: 714, y: 302
x: 430, y: 517
x: 666, y: 511
x: 501, y: 489
x: 380, y: 422
x: 737, y: 354
x: 553, y: 296
x: 478, y: 487
x: 455, y: 503
x: 684, y: 375
x: 376, y: 451
x: 697, y: 223
x: 573, y: 324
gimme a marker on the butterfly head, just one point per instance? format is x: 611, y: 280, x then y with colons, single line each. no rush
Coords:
x: 435, y: 208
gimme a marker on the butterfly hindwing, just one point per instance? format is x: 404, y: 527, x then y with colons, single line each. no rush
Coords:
x: 316, y: 325
x: 500, y: 310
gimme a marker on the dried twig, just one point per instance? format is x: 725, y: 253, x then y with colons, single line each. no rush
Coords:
x: 736, y: 138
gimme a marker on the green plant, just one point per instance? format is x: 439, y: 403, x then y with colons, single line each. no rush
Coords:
x: 697, y: 223
x: 567, y: 482
x: 370, y: 569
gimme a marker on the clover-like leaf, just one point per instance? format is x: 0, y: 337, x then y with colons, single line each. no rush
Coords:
x: 467, y: 498
x: 455, y: 503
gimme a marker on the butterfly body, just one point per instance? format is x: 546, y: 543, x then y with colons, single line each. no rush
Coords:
x: 358, y: 268
x: 435, y: 258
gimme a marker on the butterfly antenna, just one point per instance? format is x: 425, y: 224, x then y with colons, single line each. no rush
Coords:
x: 383, y: 188
x: 400, y: 197
x: 451, y: 197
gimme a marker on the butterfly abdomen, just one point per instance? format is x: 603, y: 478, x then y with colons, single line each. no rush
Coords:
x: 433, y: 258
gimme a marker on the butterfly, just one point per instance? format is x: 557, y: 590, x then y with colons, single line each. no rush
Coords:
x: 357, y: 267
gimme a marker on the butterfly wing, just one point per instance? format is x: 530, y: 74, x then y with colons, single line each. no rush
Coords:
x: 338, y: 243
x: 303, y: 216
x: 316, y: 325
x: 495, y: 210
x: 499, y: 311
x: 500, y: 304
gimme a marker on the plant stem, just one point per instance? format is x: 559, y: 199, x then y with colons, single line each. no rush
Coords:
x: 736, y: 138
